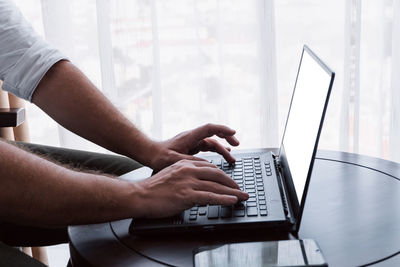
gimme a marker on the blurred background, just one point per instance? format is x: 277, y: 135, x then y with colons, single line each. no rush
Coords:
x: 173, y: 65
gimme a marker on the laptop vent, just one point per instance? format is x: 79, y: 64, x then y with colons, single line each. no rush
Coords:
x: 177, y: 222
x: 283, y: 196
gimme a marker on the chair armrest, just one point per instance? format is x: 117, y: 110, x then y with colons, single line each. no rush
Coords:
x: 11, y: 117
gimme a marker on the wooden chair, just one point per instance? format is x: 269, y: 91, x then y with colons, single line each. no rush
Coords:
x: 13, y: 126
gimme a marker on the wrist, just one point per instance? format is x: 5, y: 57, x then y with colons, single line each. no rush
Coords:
x: 135, y: 200
x: 144, y: 150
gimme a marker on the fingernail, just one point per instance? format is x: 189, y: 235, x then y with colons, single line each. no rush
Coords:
x: 236, y: 140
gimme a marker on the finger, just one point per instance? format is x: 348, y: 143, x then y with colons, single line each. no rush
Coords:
x: 214, y: 175
x: 232, y: 140
x: 192, y: 158
x: 201, y: 163
x: 221, y: 190
x: 204, y: 198
x: 209, y: 144
x: 221, y: 131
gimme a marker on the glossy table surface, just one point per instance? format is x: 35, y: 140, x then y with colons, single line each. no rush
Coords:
x: 352, y: 211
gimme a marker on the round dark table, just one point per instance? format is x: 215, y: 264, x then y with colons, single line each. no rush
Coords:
x: 352, y: 211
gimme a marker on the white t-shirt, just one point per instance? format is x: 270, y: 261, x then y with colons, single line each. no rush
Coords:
x: 24, y: 56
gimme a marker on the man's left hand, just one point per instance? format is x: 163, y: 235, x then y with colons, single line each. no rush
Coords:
x: 186, y: 144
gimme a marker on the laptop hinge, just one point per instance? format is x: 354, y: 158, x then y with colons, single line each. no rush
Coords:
x: 283, y: 188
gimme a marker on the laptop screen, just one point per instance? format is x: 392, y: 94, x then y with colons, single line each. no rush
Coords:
x: 305, y: 118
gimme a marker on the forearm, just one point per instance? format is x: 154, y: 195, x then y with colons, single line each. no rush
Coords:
x: 73, y: 101
x: 35, y: 191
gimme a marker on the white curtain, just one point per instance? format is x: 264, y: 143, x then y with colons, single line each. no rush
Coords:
x: 175, y: 64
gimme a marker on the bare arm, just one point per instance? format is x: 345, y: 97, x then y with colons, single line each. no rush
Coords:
x: 35, y: 191
x: 58, y: 196
x: 72, y: 100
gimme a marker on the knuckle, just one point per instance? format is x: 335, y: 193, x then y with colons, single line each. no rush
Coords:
x: 186, y: 169
x: 210, y: 197
x: 184, y: 161
x: 184, y: 193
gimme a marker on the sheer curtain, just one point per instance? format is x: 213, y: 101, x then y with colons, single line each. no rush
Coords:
x: 173, y: 65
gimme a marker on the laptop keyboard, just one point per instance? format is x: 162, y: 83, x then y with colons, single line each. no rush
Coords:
x: 247, y: 174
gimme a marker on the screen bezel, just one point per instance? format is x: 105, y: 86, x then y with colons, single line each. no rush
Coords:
x: 296, y: 206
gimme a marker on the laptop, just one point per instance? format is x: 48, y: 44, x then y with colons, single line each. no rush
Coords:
x: 277, y: 183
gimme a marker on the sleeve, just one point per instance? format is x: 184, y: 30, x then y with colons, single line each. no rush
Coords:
x: 24, y: 56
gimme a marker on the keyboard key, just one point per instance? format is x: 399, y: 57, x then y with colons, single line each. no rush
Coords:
x: 263, y: 207
x: 193, y: 212
x: 261, y: 197
x: 226, y: 211
x: 251, y: 191
x: 252, y: 195
x: 239, y: 206
x: 263, y: 212
x: 269, y: 173
x: 238, y: 213
x: 202, y: 211
x: 251, y: 204
x: 262, y: 202
x: 252, y: 199
x: 261, y: 193
x: 213, y: 212
x: 192, y: 217
x: 217, y: 161
x: 260, y: 188
x: 252, y: 211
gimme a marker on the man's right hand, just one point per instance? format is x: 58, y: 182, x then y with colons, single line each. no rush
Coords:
x: 183, y: 185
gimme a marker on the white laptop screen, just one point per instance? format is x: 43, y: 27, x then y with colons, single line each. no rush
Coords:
x: 304, y: 120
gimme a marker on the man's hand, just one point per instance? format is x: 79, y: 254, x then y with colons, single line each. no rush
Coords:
x: 188, y: 143
x: 183, y: 185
